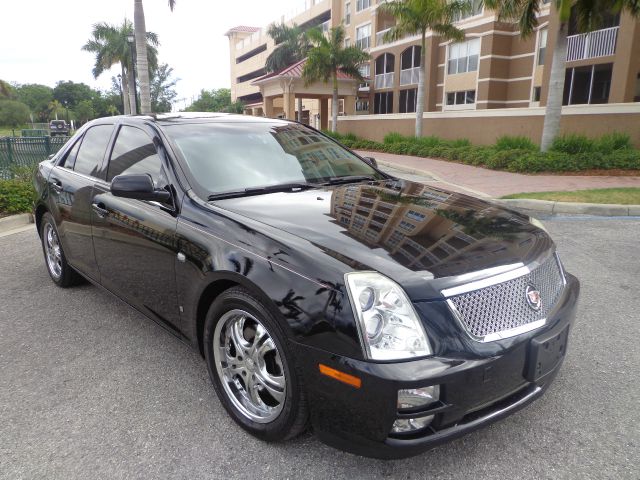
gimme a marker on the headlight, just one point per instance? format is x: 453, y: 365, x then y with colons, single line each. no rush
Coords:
x: 389, y: 326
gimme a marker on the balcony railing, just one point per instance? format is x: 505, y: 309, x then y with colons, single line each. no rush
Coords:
x: 599, y: 43
x: 384, y: 80
x: 325, y: 26
x: 409, y: 76
x: 380, y: 37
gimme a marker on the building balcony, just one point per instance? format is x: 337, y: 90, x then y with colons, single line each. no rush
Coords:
x: 598, y: 43
x: 380, y: 37
x: 325, y: 26
x: 409, y: 76
x: 384, y: 80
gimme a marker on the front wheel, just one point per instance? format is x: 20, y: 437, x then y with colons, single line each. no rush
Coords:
x: 251, y: 368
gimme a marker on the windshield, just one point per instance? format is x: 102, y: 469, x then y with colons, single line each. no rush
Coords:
x: 226, y: 157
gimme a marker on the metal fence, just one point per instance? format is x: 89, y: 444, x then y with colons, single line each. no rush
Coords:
x: 26, y: 151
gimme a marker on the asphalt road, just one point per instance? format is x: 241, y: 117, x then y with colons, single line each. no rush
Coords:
x: 91, y: 389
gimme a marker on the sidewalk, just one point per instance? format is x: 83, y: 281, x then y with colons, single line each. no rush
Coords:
x: 492, y: 183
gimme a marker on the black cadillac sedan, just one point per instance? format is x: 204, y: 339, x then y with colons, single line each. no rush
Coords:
x: 388, y: 315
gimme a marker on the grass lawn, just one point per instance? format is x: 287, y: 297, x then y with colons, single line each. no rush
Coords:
x: 623, y: 196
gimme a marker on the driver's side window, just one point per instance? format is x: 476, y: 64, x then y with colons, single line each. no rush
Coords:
x: 135, y: 153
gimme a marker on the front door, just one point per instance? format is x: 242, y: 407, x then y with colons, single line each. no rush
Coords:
x: 135, y: 240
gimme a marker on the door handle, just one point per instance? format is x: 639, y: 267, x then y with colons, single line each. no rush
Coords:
x: 56, y: 185
x: 100, y: 210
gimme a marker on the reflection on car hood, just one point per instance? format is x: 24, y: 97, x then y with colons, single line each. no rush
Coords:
x: 396, y: 226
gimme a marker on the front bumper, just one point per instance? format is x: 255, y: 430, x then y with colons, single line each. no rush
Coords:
x: 475, y: 390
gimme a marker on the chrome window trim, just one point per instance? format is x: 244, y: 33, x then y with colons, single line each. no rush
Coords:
x: 494, y: 280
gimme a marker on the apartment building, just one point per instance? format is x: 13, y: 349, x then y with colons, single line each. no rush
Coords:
x: 492, y: 69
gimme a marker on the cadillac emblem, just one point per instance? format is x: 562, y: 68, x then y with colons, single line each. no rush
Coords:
x: 534, y: 300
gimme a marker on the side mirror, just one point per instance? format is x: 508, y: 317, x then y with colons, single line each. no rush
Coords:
x: 139, y: 186
x: 371, y: 161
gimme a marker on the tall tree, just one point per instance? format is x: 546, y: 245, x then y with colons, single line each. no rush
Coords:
x: 589, y: 14
x: 110, y: 46
x: 7, y: 92
x: 215, y: 101
x: 163, y: 92
x: 418, y: 17
x: 37, y: 97
x: 13, y: 113
x: 327, y: 57
x: 142, y: 60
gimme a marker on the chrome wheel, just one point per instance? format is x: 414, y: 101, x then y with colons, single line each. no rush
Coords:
x: 249, y: 366
x: 53, y: 251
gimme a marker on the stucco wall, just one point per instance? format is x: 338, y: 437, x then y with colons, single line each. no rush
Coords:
x: 483, y: 127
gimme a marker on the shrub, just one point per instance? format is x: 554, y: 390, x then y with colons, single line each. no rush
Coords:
x: 572, y: 144
x: 507, y: 142
x: 460, y: 142
x: 16, y: 196
x: 502, y: 159
x: 613, y: 141
x: 394, y: 137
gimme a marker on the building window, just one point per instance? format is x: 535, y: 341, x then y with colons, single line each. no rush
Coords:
x: 410, y: 66
x: 365, y: 71
x: 347, y: 13
x: 463, y: 57
x: 385, y: 66
x: 363, y: 36
x: 590, y: 84
x: 417, y: 216
x: 362, y: 105
x: 461, y: 98
x: 362, y: 4
x: 383, y: 103
x: 476, y: 7
x: 408, y: 100
x: 536, y: 94
x: 347, y: 42
x: 542, y: 46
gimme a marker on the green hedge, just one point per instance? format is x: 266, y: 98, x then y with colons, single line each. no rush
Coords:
x: 515, y: 154
x: 17, y: 195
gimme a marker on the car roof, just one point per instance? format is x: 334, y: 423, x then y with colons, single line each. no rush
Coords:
x: 195, y: 117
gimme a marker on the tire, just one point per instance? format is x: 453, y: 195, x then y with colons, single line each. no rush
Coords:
x: 277, y: 410
x: 59, y: 270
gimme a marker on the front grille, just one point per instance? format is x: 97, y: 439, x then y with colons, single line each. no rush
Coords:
x: 491, y: 312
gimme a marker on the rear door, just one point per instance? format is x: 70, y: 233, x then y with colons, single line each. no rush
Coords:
x: 135, y: 240
x: 70, y: 191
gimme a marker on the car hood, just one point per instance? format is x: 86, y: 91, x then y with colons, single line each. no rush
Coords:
x: 401, y: 228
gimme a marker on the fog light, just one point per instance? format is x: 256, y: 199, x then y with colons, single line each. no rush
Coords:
x: 411, y: 398
x: 404, y: 425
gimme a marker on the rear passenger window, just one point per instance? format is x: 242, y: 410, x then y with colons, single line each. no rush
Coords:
x: 135, y: 153
x: 92, y: 150
x: 70, y: 158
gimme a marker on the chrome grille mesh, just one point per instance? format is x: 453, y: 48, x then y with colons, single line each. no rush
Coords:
x: 501, y: 307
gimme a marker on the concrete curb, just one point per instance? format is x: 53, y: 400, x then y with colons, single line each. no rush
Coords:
x: 15, y: 221
x: 598, y: 209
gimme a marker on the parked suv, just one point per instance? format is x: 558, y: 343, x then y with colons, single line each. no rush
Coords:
x: 58, y: 127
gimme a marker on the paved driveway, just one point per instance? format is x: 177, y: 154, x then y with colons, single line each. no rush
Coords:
x: 91, y: 389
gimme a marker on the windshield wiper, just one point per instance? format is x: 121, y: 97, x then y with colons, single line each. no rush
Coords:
x: 246, y: 192
x: 348, y: 179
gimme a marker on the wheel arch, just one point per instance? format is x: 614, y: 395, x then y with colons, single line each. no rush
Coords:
x: 220, y: 282
x: 38, y: 214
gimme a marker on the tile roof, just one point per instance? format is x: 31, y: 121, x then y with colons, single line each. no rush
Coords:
x: 242, y: 28
x: 295, y: 71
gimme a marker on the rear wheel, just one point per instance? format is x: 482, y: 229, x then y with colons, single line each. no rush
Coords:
x: 251, y: 368
x: 59, y: 270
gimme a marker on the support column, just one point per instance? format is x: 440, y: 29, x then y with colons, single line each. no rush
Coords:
x: 350, y: 105
x: 324, y: 114
x: 268, y: 107
x: 289, y: 105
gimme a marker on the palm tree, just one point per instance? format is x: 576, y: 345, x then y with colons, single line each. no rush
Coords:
x: 109, y: 44
x: 292, y: 46
x: 327, y: 56
x: 420, y: 16
x: 142, y: 60
x: 589, y: 16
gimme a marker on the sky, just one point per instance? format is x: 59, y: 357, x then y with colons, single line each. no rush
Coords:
x: 41, y: 40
